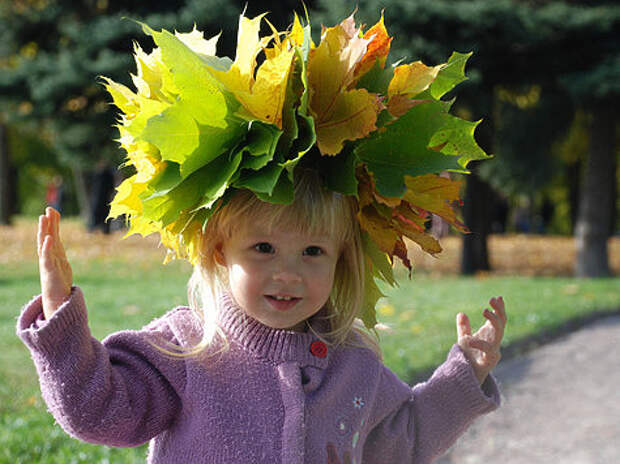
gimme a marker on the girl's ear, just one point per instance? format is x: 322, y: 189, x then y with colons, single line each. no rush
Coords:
x: 219, y: 254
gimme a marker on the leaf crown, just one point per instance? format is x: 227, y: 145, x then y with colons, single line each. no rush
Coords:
x: 199, y: 127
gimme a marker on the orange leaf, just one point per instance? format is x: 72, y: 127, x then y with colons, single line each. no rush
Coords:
x: 353, y: 116
x: 400, y: 104
x: 379, y: 228
x: 378, y: 48
x: 435, y: 195
x: 426, y: 241
x: 400, y: 250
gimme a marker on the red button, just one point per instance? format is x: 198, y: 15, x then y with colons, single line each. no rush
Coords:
x: 318, y: 349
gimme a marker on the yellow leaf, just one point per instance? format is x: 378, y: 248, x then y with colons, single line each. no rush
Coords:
x: 196, y: 41
x: 340, y: 114
x: 332, y: 64
x: 266, y: 99
x: 262, y: 97
x: 126, y: 200
x: 296, y: 36
x: 412, y: 79
x: 426, y: 241
x: 249, y: 45
x: 140, y: 225
x: 123, y: 97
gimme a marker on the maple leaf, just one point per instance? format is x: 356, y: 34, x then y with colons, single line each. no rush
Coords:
x: 339, y: 113
x: 408, y: 81
x: 435, y: 194
x: 262, y: 96
x: 377, y: 50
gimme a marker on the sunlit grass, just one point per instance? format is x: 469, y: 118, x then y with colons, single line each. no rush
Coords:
x: 421, y: 312
x: 126, y: 287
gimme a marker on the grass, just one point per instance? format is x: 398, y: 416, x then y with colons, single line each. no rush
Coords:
x: 128, y: 288
x: 421, y: 313
x: 119, y: 296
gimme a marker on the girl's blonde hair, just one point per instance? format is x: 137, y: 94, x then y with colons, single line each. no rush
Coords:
x: 315, y: 210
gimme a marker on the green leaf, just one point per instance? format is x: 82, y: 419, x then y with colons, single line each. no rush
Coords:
x: 283, y: 192
x: 402, y: 148
x: 372, y: 294
x: 212, y: 142
x: 168, y: 207
x: 261, y: 143
x: 216, y: 177
x: 458, y: 136
x: 377, y: 79
x: 339, y: 172
x: 148, y: 109
x: 166, y: 180
x: 306, y: 136
x: 262, y: 181
x: 262, y: 138
x: 199, y: 90
x: 451, y: 74
x: 174, y: 132
x: 198, y: 190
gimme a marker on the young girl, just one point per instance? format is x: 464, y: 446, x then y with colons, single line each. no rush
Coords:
x: 289, y: 379
x: 269, y: 362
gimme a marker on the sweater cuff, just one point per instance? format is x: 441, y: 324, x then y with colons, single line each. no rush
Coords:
x: 41, y: 335
x: 480, y: 398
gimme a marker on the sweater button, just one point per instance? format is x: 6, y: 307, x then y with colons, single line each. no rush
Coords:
x: 318, y: 349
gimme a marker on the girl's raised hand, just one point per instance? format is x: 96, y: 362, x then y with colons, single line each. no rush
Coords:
x: 482, y: 349
x: 54, y: 269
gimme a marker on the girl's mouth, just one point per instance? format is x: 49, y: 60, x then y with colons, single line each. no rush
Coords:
x: 282, y: 303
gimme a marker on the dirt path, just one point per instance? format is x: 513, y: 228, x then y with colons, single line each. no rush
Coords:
x: 561, y: 404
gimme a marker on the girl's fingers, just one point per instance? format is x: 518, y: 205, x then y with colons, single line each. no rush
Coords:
x: 463, y: 327
x: 498, y: 305
x: 53, y: 215
x: 41, y: 233
x: 47, y: 261
x: 496, y: 322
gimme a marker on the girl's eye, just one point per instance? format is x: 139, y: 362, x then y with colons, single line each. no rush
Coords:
x: 263, y: 247
x: 313, y: 251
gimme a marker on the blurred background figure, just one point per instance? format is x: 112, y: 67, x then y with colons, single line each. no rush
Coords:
x: 55, y: 190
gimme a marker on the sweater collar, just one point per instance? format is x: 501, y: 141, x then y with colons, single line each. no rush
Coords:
x: 278, y: 345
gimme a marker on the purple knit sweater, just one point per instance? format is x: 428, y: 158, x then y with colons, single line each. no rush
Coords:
x: 274, y: 396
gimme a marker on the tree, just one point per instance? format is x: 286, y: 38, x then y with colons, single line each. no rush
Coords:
x: 517, y: 45
x: 597, y: 90
x: 52, y: 54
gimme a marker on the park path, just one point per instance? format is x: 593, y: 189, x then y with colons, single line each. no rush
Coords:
x: 561, y: 405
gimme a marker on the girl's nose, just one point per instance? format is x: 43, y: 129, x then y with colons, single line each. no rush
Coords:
x: 287, y: 272
x: 284, y: 275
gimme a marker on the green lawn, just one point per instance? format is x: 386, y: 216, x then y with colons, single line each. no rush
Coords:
x: 420, y: 314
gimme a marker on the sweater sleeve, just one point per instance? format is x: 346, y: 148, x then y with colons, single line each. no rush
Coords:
x: 432, y: 415
x: 121, y: 392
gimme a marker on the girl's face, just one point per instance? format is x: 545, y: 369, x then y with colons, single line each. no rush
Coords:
x: 280, y: 278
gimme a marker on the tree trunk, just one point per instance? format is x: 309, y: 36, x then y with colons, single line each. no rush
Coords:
x: 5, y: 179
x: 573, y: 175
x: 595, y: 206
x: 476, y: 213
